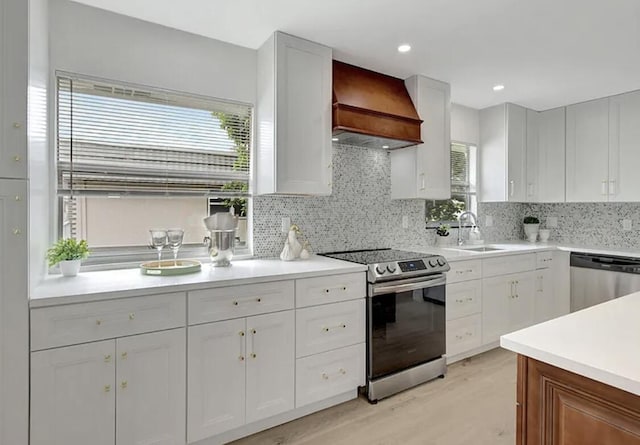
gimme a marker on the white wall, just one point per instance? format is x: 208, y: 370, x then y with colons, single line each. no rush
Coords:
x: 91, y: 41
x: 465, y: 124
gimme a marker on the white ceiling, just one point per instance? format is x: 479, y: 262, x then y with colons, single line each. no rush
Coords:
x: 547, y: 53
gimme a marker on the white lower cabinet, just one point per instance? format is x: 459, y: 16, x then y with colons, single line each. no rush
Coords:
x: 464, y: 334
x: 240, y: 371
x: 507, y: 304
x: 545, y: 307
x: 329, y: 374
x: 73, y: 395
x: 125, y: 391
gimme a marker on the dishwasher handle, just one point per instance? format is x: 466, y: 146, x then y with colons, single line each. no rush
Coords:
x: 605, y: 262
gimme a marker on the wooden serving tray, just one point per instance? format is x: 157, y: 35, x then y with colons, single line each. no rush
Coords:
x: 170, y: 268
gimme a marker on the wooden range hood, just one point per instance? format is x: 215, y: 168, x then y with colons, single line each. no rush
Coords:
x: 372, y: 109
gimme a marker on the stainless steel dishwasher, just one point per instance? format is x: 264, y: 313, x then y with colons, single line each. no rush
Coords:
x: 599, y: 278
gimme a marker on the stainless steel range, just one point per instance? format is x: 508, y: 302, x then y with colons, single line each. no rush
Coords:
x: 405, y: 318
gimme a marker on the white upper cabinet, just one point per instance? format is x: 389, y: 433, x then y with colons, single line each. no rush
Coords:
x: 13, y: 88
x: 293, y: 114
x: 588, y: 151
x: 424, y: 171
x: 624, y: 153
x: 503, y: 140
x: 546, y: 155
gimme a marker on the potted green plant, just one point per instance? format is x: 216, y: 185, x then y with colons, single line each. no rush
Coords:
x: 69, y: 253
x: 531, y: 225
x: 442, y: 233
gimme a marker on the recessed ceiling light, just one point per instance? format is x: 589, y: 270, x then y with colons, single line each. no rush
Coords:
x: 498, y: 87
x: 335, y: 139
x: 385, y: 146
x: 404, y: 48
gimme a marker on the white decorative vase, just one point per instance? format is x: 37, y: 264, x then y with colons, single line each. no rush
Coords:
x: 530, y: 229
x: 442, y: 241
x: 70, y: 268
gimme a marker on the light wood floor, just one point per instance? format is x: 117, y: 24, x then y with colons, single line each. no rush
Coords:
x: 473, y: 405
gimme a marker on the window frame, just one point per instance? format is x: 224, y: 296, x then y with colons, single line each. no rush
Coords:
x: 124, y: 257
x: 454, y: 224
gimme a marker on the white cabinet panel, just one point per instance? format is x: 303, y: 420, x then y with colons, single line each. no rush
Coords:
x: 151, y: 385
x: 240, y: 301
x: 270, y: 365
x: 331, y: 326
x: 624, y: 155
x: 546, y: 155
x: 507, y: 304
x: 73, y: 395
x: 502, y: 151
x: 77, y: 323
x: 464, y: 299
x: 587, y: 151
x: 330, y: 289
x: 545, y: 307
x: 508, y: 264
x: 464, y: 271
x: 321, y: 376
x: 294, y: 117
x: 424, y: 171
x: 14, y: 315
x: 544, y: 260
x: 13, y: 91
x: 216, y: 390
x: 464, y: 334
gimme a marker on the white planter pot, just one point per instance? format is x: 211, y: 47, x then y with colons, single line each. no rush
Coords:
x: 70, y: 268
x: 530, y: 229
x: 443, y: 241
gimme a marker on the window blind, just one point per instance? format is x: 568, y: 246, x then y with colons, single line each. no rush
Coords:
x: 119, y: 139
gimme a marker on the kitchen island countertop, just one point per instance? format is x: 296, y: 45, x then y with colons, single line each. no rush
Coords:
x: 601, y: 343
x: 94, y: 286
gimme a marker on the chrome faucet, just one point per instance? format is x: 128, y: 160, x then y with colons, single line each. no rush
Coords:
x: 465, y: 215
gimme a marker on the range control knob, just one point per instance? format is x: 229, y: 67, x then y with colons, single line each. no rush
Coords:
x: 380, y: 269
x: 441, y: 262
x: 391, y: 268
x: 433, y: 263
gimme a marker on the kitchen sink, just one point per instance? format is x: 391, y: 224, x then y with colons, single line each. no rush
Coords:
x: 481, y: 249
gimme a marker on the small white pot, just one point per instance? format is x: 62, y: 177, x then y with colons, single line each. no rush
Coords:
x: 442, y: 241
x: 70, y: 268
x: 530, y: 229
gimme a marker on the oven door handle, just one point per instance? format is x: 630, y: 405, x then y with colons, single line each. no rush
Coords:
x: 424, y: 283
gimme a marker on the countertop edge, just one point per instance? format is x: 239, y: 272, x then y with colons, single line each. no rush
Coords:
x: 597, y: 374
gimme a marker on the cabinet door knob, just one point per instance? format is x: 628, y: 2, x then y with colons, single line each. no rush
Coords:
x: 18, y: 198
x: 254, y: 332
x: 17, y: 158
x: 124, y: 384
x: 107, y: 388
x: 132, y: 316
x: 124, y: 356
x: 253, y: 355
x: 259, y: 299
x: 17, y: 232
x: 241, y: 358
x: 17, y: 125
x: 107, y: 358
x: 241, y: 333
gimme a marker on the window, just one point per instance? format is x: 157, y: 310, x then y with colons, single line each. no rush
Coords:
x: 131, y: 158
x: 463, y: 188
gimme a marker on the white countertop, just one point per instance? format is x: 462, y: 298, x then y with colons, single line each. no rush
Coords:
x: 92, y: 286
x: 601, y: 342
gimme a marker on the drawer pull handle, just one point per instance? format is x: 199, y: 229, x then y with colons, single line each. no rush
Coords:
x: 107, y: 358
x: 18, y: 198
x: 17, y: 158
x: 253, y: 331
x: 241, y: 333
x: 241, y: 358
x: 459, y: 337
x: 124, y: 356
x: 326, y: 291
x: 258, y: 300
x: 235, y: 303
x: 340, y: 326
x: 342, y: 371
x: 344, y: 288
x: 469, y: 334
x: 132, y: 316
x: 107, y: 388
x: 98, y: 322
x: 253, y: 355
x: 17, y: 232
x: 325, y: 376
x: 17, y: 125
x: 124, y: 384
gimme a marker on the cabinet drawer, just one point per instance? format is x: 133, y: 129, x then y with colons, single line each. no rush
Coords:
x: 224, y: 303
x: 508, y: 264
x: 464, y: 299
x: 464, y: 334
x: 544, y: 260
x: 84, y: 322
x: 329, y: 374
x: 331, y: 326
x: 330, y: 289
x: 464, y: 270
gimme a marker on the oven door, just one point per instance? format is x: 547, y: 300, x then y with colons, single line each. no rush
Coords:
x: 405, y: 324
